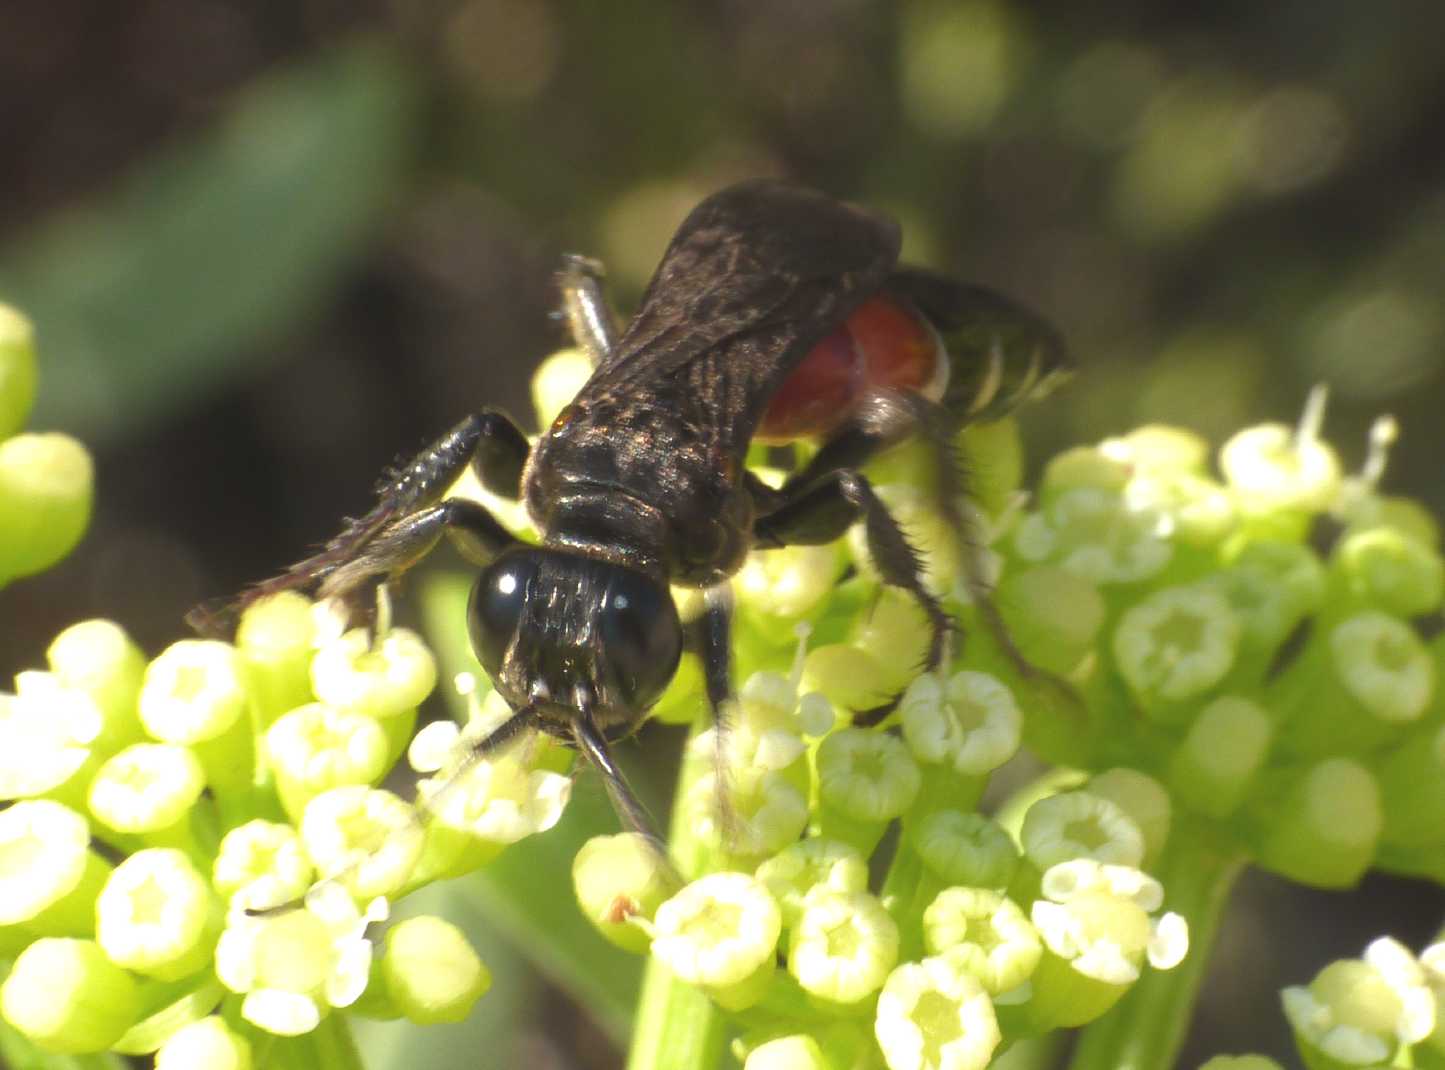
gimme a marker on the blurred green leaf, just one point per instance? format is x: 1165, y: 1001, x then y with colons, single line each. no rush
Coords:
x: 526, y: 893
x: 152, y: 295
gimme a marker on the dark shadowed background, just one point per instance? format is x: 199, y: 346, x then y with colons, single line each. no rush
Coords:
x: 271, y: 246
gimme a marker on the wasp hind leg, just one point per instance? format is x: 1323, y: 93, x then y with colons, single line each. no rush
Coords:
x: 810, y: 515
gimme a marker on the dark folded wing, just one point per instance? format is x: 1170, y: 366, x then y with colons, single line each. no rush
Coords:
x: 756, y: 275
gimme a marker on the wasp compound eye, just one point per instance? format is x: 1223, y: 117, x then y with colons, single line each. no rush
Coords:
x: 641, y: 638
x: 497, y: 603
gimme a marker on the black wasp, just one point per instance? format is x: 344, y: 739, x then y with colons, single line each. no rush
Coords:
x: 776, y: 313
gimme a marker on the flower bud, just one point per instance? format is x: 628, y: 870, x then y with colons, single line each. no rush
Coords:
x: 46, y: 490
x: 720, y: 932
x: 194, y: 695
x: 985, y: 934
x: 1324, y: 829
x: 865, y: 780
x: 17, y: 370
x: 799, y: 869
x: 431, y: 972
x: 843, y: 945
x: 620, y: 878
x: 66, y: 996
x: 208, y: 1043
x: 276, y: 637
x: 1215, y: 767
x: 155, y: 915
x: 933, y: 1015
x: 98, y: 658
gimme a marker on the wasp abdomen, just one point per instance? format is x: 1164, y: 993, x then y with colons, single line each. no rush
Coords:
x: 885, y: 344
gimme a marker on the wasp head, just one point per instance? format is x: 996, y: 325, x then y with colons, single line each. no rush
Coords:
x: 572, y: 635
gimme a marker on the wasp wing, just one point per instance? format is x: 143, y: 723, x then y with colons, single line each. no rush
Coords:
x: 756, y: 275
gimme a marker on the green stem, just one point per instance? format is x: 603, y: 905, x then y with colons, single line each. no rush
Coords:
x: 1146, y: 1029
x: 677, y: 1027
x: 329, y: 1045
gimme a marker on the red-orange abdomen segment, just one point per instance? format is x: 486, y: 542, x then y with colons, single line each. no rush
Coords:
x: 885, y: 343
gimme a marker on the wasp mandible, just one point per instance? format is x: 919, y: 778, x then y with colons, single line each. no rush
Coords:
x: 777, y: 313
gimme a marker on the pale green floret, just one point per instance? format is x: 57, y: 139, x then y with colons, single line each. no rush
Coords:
x: 46, y: 490
x: 384, y: 680
x: 556, y: 382
x: 367, y: 839
x: 209, y: 1043
x: 148, y: 787
x: 193, y: 692
x: 620, y: 878
x: 1101, y: 937
x: 1176, y: 644
x: 45, y: 857
x: 1325, y: 829
x: 1189, y: 509
x: 17, y: 370
x: 894, y: 633
x: 843, y: 945
x: 1409, y: 978
x: 1079, y: 824
x: 800, y: 868
x: 848, y: 676
x: 1142, y: 798
x: 1053, y: 615
x: 1240, y: 1062
x: 431, y: 971
x: 718, y: 931
x: 49, y: 731
x: 100, y: 659
x: 1412, y: 790
x: 933, y: 1015
x: 155, y: 915
x: 1348, y: 1013
x: 971, y: 724
x: 292, y: 965
x: 262, y: 865
x: 66, y: 996
x: 1384, y: 665
x: 816, y: 717
x: 500, y: 799
x: 1091, y: 533
x: 1432, y: 962
x: 789, y: 582
x: 1157, y: 449
x: 1084, y: 467
x: 767, y: 812
x: 316, y: 747
x: 1270, y: 587
x: 767, y: 700
x: 966, y: 849
x: 1391, y: 570
x: 1404, y: 515
x: 1273, y: 467
x: 796, y: 1052
x: 1213, y: 770
x: 985, y: 934
x: 277, y: 636
x: 867, y: 775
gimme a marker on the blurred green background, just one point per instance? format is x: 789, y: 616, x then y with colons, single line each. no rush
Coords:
x: 272, y: 246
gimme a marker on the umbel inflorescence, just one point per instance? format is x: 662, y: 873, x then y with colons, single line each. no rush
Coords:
x: 198, y: 861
